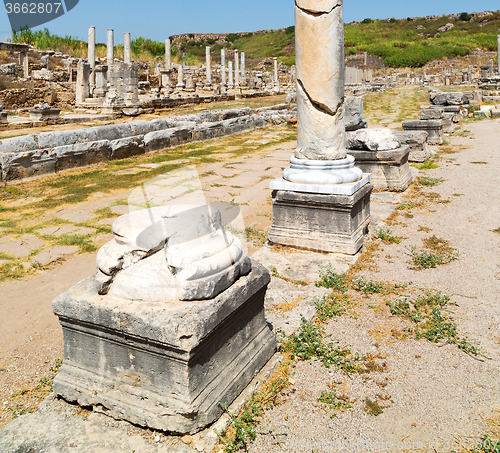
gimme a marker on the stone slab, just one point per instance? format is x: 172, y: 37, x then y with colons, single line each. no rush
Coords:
x: 331, y: 189
x: 52, y: 254
x: 166, y: 366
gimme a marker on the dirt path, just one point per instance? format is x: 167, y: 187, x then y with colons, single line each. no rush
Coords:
x: 419, y: 395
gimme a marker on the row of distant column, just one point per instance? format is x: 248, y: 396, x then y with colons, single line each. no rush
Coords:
x: 168, y: 60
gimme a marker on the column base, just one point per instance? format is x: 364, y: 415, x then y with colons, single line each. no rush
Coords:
x: 323, y: 222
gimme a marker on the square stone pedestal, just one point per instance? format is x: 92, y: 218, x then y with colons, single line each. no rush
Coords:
x: 323, y: 222
x: 167, y: 366
x: 389, y: 169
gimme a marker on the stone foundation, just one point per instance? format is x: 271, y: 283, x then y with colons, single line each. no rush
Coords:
x: 325, y: 223
x: 167, y: 366
x: 389, y: 169
x: 433, y: 127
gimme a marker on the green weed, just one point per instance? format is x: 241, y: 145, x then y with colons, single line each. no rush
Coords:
x: 436, y: 252
x: 333, y: 280
x: 308, y: 343
x: 386, y: 235
x: 335, y: 402
x: 430, y: 182
x: 427, y: 165
x: 432, y: 318
x: 330, y: 306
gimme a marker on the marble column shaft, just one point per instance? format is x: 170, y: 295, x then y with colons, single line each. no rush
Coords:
x: 243, y: 74
x: 180, y: 76
x: 319, y: 43
x: 223, y: 66
x: 230, y: 70
x: 236, y: 68
x: 208, y: 66
x: 110, y: 47
x: 91, y: 55
x: 23, y: 61
x: 168, y: 54
x: 127, y: 56
x: 275, y: 76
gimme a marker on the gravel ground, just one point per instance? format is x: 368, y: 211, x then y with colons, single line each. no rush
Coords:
x: 433, y: 396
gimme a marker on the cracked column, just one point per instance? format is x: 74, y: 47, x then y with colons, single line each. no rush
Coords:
x: 275, y: 76
x: 230, y: 71
x: 320, y: 79
x: 323, y: 201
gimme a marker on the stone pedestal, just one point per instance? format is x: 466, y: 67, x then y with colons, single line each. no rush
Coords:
x: 172, y: 324
x: 417, y: 142
x: 3, y: 118
x: 321, y: 222
x: 165, y: 366
x: 389, y: 168
x: 433, y: 127
x: 45, y: 114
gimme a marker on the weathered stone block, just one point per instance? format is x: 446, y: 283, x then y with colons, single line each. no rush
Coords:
x: 432, y: 114
x: 126, y: 147
x: 326, y: 223
x: 27, y: 164
x: 376, y: 139
x: 389, y: 169
x: 354, y: 114
x: 482, y: 114
x: 81, y: 154
x: 433, y: 127
x: 163, y: 365
x: 206, y: 131
x: 495, y: 113
x: 417, y: 142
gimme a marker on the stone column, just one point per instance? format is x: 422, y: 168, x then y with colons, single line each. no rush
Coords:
x: 23, y: 61
x: 276, y: 79
x: 223, y: 66
x: 323, y: 201
x: 91, y: 55
x: 180, y: 76
x: 236, y: 68
x: 127, y: 55
x: 230, y: 70
x: 491, y: 71
x: 168, y: 54
x: 82, y: 82
x: 319, y: 43
x: 498, y: 52
x: 110, y: 46
x: 208, y: 67
x: 243, y: 73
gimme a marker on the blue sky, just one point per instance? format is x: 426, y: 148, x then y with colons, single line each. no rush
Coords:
x: 158, y: 19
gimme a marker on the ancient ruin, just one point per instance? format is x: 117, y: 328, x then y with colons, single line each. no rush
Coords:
x: 323, y: 201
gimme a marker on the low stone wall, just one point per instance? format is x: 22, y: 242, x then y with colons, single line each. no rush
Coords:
x: 52, y: 152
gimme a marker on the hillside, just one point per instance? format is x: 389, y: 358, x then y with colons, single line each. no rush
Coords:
x: 410, y: 42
